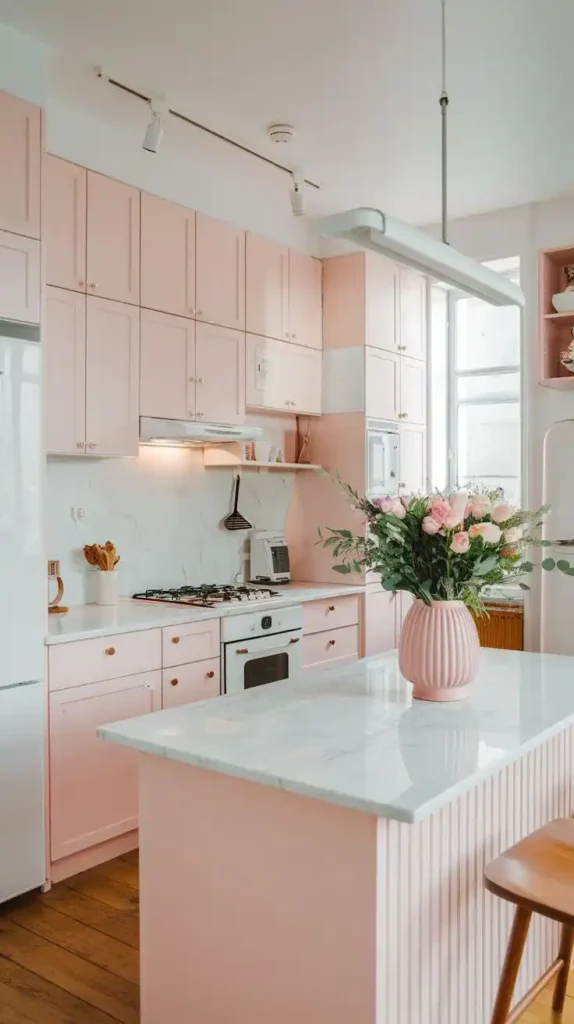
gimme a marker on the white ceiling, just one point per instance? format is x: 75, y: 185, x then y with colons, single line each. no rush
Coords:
x: 360, y: 81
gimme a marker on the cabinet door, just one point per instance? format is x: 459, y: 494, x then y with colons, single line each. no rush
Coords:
x: 336, y: 645
x: 305, y: 300
x: 219, y: 374
x: 65, y: 371
x: 412, y: 476
x: 413, y: 390
x: 167, y: 256
x: 412, y: 313
x: 266, y: 288
x: 113, y: 265
x: 20, y: 162
x: 381, y: 283
x: 112, y: 378
x: 381, y: 612
x: 19, y: 278
x: 167, y: 377
x: 64, y: 220
x: 219, y: 272
x: 93, y: 784
x: 186, y: 684
x: 264, y: 387
x: 302, y: 378
x: 381, y: 384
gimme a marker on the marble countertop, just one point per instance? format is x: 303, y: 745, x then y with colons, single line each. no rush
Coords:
x: 353, y: 736
x: 92, y: 620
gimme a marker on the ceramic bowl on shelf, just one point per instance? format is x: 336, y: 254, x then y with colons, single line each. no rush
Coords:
x: 563, y: 302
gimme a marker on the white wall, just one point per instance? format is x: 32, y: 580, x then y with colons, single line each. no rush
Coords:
x: 163, y: 512
x: 524, y: 231
x: 24, y: 66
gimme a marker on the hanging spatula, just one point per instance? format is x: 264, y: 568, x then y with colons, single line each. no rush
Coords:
x: 236, y: 521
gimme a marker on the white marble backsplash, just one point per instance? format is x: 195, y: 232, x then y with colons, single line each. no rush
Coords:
x: 163, y: 511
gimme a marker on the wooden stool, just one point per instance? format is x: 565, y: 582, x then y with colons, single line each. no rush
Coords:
x: 537, y: 875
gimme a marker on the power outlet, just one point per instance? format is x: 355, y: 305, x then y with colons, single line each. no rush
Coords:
x: 77, y: 513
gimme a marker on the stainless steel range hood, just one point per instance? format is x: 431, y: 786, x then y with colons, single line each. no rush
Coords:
x: 187, y: 432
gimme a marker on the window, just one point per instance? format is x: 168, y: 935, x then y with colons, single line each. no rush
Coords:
x: 475, y: 381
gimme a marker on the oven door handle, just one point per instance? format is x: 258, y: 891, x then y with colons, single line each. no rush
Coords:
x: 293, y: 640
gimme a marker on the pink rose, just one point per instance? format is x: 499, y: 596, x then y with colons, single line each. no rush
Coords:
x: 452, y: 521
x: 480, y: 506
x: 384, y: 504
x: 501, y: 513
x: 513, y: 535
x: 508, y: 551
x: 430, y: 526
x: 460, y: 543
x: 457, y: 502
x: 406, y: 500
x: 490, y: 533
x: 398, y: 509
x: 439, y: 510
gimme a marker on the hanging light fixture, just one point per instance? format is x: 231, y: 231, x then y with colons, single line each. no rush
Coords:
x: 154, y: 131
x: 372, y: 229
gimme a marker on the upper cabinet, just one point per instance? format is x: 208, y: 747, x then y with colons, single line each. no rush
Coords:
x: 167, y: 373
x: 64, y: 336
x: 220, y: 273
x: 267, y: 288
x: 64, y: 224
x: 219, y: 374
x: 305, y: 300
x: 381, y: 281
x: 20, y: 165
x: 112, y: 377
x: 113, y: 232
x: 382, y: 384
x: 283, y: 377
x: 412, y: 298
x: 19, y: 278
x: 167, y: 256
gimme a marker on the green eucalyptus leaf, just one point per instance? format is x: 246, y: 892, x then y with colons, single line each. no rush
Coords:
x: 548, y: 564
x: 563, y: 565
x: 343, y: 569
x: 524, y: 586
x: 484, y: 567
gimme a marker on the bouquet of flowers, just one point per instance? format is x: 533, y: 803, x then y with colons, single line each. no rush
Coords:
x: 442, y: 547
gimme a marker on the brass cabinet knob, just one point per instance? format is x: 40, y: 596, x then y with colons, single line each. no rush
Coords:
x: 173, y: 682
x: 332, y: 643
x: 110, y: 650
x: 175, y: 639
x: 294, y: 640
x: 210, y: 675
x: 331, y: 607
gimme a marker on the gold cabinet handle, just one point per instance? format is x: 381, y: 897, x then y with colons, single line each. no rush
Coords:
x: 175, y: 639
x: 294, y: 640
x: 173, y: 682
x: 210, y: 675
x: 242, y: 650
x: 331, y: 607
x: 332, y: 643
x: 110, y: 651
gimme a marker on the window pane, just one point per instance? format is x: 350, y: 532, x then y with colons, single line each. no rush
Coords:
x: 439, y: 386
x: 489, y: 384
x: 489, y: 446
x: 486, y: 335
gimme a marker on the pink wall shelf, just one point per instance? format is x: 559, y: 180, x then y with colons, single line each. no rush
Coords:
x: 555, y: 328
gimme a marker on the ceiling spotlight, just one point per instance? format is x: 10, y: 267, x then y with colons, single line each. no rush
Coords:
x: 154, y: 131
x: 297, y: 197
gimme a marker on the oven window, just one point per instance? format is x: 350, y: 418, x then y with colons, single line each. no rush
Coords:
x: 267, y: 669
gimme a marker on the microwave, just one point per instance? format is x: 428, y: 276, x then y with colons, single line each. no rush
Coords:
x: 269, y: 558
x: 383, y: 459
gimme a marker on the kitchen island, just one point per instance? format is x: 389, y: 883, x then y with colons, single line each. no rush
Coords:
x: 312, y: 852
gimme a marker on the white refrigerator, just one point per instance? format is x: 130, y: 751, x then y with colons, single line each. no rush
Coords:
x: 557, y: 590
x: 22, y: 614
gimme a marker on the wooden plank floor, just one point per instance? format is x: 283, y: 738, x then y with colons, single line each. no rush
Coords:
x: 70, y: 956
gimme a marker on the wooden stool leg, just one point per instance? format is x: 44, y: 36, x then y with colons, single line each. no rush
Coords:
x: 511, y: 966
x: 565, y: 954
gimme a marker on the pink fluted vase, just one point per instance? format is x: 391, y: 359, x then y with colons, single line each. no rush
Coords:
x: 439, y: 650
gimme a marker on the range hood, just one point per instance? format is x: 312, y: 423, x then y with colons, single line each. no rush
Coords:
x: 373, y: 229
x: 187, y: 432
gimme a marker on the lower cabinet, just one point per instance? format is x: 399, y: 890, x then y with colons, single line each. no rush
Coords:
x: 334, y: 645
x: 93, y: 784
x: 383, y: 618
x: 185, y: 684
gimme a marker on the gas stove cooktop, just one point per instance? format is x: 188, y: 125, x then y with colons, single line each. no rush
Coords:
x: 209, y: 594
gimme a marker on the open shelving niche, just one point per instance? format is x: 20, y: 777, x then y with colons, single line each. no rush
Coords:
x: 279, y: 431
x: 555, y: 328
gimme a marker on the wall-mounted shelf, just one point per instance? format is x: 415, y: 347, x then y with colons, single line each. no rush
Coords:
x: 555, y: 328
x: 559, y: 383
x: 561, y: 318
x: 286, y: 467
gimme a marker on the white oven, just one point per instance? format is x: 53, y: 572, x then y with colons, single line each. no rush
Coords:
x: 383, y: 458
x: 261, y: 647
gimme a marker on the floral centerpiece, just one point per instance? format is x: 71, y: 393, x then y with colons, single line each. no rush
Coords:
x: 444, y: 549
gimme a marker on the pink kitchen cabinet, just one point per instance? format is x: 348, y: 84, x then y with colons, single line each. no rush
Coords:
x: 167, y: 377
x: 167, y: 256
x: 382, y: 611
x: 185, y: 684
x: 219, y: 374
x: 64, y: 223
x: 19, y: 278
x: 93, y: 784
x: 282, y: 376
x: 412, y: 400
x: 412, y: 299
x: 336, y: 645
x: 381, y: 283
x: 64, y: 347
x: 219, y: 273
x: 382, y: 379
x: 20, y: 166
x: 412, y: 476
x: 266, y: 288
x: 305, y: 300
x: 112, y: 377
x: 303, y: 379
x: 113, y: 239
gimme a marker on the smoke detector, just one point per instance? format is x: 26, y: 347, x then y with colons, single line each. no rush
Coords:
x: 281, y: 133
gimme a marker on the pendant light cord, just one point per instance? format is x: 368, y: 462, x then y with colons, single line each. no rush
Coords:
x: 443, y: 110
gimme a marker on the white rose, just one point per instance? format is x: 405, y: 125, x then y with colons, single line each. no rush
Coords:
x: 513, y: 535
